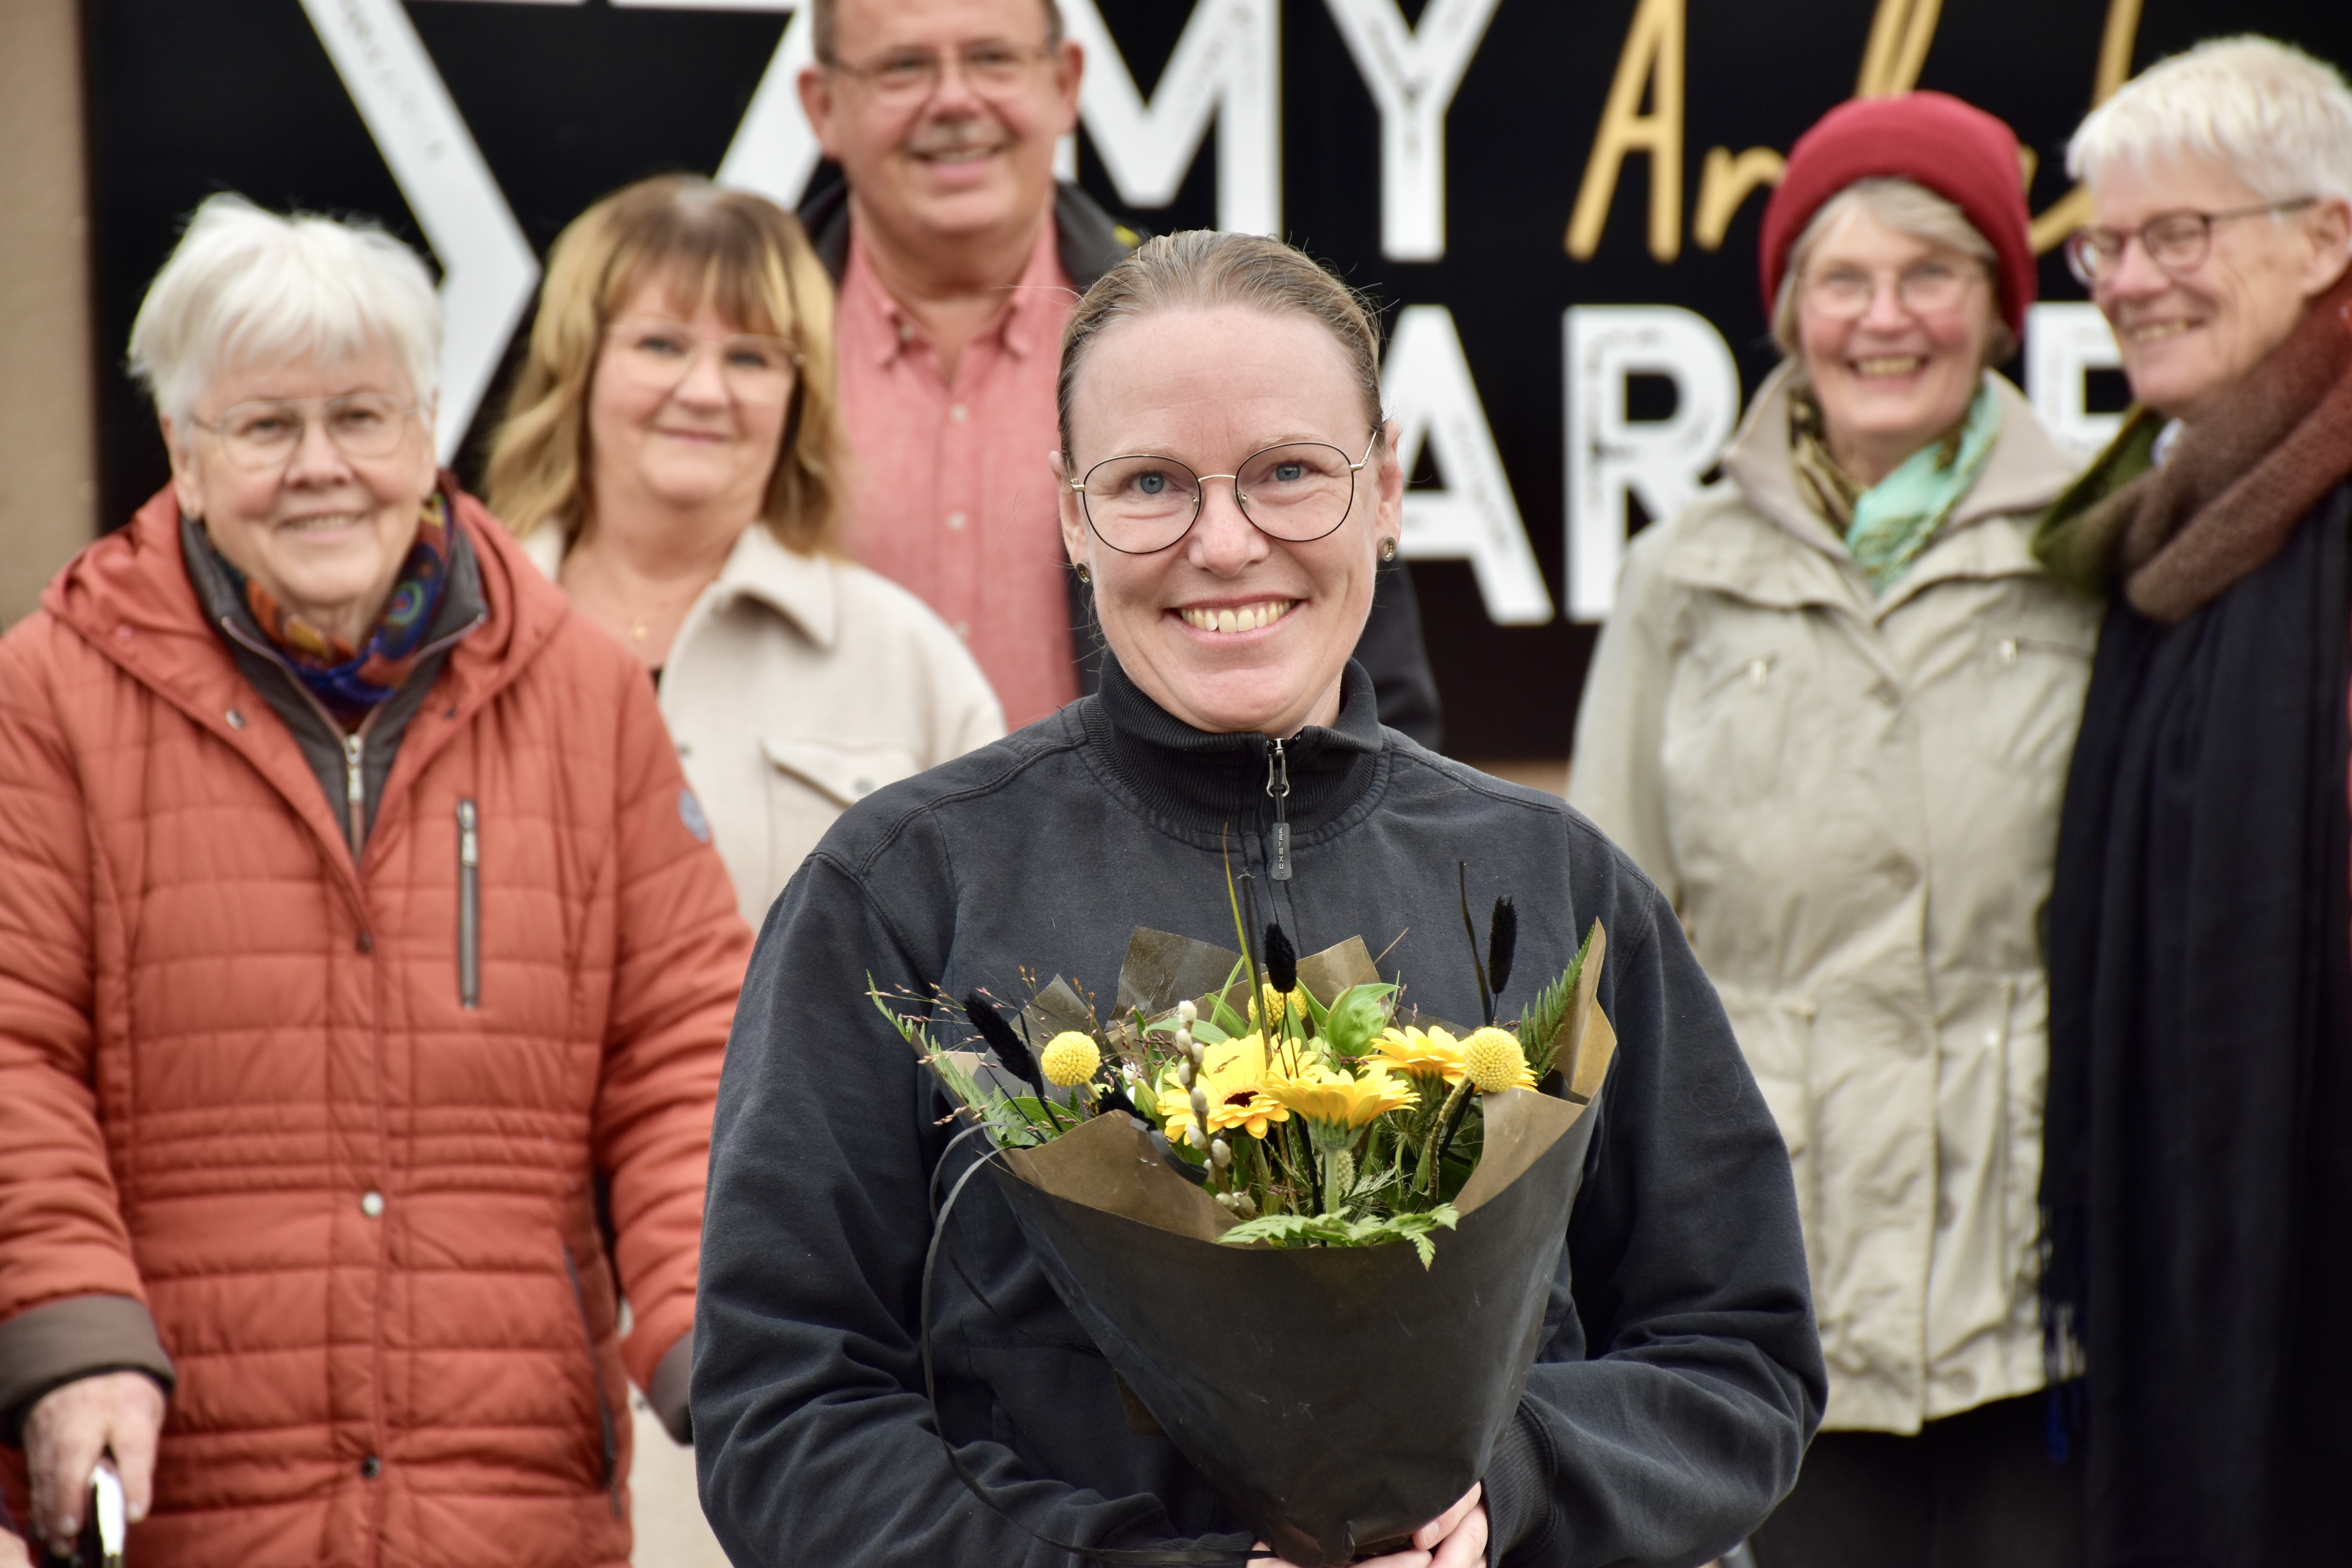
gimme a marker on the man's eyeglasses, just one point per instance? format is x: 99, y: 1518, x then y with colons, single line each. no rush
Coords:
x: 266, y: 434
x: 2177, y: 242
x: 1297, y: 493
x: 656, y: 355
x: 1932, y: 288
x: 994, y: 69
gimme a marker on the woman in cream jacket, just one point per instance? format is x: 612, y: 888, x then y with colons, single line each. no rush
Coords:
x: 1830, y: 715
x: 673, y: 457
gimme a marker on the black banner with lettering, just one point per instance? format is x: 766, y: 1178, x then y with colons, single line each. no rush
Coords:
x: 1556, y: 200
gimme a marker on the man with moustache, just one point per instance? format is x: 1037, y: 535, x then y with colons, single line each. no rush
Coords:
x: 959, y: 258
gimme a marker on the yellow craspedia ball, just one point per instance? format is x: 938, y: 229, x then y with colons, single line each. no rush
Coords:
x: 1070, y: 1059
x: 1493, y: 1061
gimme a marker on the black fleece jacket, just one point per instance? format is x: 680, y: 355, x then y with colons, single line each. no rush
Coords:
x: 1680, y: 1378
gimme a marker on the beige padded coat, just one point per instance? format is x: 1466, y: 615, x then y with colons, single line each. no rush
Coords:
x: 1853, y: 803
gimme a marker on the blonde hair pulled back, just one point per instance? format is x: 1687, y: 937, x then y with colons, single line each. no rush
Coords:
x: 1202, y: 269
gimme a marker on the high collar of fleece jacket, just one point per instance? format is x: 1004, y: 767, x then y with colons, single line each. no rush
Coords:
x: 1208, y: 783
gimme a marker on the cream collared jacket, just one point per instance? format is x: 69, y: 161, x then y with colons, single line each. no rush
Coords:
x: 1854, y: 803
x: 797, y: 684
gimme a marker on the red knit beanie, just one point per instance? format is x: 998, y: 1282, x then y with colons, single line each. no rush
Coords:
x: 1956, y: 149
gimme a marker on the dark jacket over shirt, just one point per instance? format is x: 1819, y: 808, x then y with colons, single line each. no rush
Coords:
x: 1680, y: 1376
x: 1091, y: 242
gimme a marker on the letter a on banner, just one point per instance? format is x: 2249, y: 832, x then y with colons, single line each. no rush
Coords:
x: 1425, y: 382
x: 1412, y: 73
x: 1653, y: 61
x: 1227, y: 65
x: 1611, y: 456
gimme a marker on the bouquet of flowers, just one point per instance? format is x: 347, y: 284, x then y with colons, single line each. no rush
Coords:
x: 1236, y: 1183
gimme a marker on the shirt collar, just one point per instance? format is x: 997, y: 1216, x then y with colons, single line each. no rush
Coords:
x: 1017, y: 327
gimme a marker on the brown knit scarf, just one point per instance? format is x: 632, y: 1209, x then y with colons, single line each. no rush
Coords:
x: 2240, y: 480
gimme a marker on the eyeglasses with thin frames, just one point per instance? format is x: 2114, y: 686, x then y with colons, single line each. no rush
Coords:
x: 265, y: 432
x: 1296, y: 492
x: 1931, y: 287
x: 2177, y: 243
x: 657, y: 354
x: 992, y: 70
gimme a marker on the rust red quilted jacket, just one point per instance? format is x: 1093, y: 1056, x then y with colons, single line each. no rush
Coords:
x: 238, y: 1083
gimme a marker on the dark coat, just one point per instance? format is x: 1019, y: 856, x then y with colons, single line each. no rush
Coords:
x: 2198, y: 1174
x: 1679, y: 1377
x: 1091, y: 243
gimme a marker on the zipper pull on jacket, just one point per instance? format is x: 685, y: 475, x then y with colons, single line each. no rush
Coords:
x: 1277, y: 784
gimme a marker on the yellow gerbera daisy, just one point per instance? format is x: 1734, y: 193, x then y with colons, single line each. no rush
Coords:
x: 1338, y: 1101
x: 1430, y: 1053
x: 1231, y: 1081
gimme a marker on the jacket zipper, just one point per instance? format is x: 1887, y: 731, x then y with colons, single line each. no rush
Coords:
x: 605, y: 1431
x: 469, y: 908
x: 1277, y: 786
x: 355, y: 742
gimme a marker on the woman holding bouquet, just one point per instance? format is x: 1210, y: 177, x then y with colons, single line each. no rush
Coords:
x: 1678, y: 1377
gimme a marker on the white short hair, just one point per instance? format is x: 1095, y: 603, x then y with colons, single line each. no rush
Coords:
x: 245, y: 287
x: 2272, y: 115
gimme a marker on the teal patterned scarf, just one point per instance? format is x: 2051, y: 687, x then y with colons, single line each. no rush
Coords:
x: 1889, y: 523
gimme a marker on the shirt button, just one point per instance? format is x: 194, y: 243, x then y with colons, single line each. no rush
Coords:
x: 963, y: 630
x: 236, y: 720
x: 958, y: 413
x: 955, y: 522
x: 371, y: 1467
x: 862, y: 786
x: 372, y: 1205
x: 905, y: 332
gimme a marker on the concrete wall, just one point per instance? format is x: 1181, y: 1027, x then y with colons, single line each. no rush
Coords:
x: 49, y: 458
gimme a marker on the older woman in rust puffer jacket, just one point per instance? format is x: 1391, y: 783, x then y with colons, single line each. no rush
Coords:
x: 364, y: 973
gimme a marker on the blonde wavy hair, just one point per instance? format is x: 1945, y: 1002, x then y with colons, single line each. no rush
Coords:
x: 738, y: 252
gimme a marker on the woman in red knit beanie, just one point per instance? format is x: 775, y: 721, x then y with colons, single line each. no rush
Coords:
x: 1830, y: 715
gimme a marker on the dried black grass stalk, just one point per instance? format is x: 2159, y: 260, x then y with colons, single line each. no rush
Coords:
x: 1281, y: 959
x: 1010, y: 1052
x: 1502, y: 945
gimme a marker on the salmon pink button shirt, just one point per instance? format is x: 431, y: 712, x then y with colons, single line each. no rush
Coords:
x: 955, y: 500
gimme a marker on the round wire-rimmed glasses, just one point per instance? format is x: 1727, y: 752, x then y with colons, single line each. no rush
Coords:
x: 1296, y: 492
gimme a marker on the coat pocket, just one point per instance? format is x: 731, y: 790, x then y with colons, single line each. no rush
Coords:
x: 608, y: 1432
x: 470, y: 912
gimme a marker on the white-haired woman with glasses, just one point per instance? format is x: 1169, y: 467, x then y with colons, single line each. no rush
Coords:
x: 2196, y: 1184
x: 1830, y: 715
x: 364, y: 973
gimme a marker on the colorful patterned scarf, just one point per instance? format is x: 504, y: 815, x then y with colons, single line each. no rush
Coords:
x: 350, y: 680
x: 1887, y: 524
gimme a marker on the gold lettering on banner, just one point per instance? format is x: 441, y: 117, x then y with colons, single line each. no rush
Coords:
x: 1652, y: 63
x: 1900, y: 32
x: 2072, y: 210
x: 1725, y: 182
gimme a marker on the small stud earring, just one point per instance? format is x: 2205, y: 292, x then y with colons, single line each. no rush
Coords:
x: 1080, y: 568
x: 1388, y: 550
